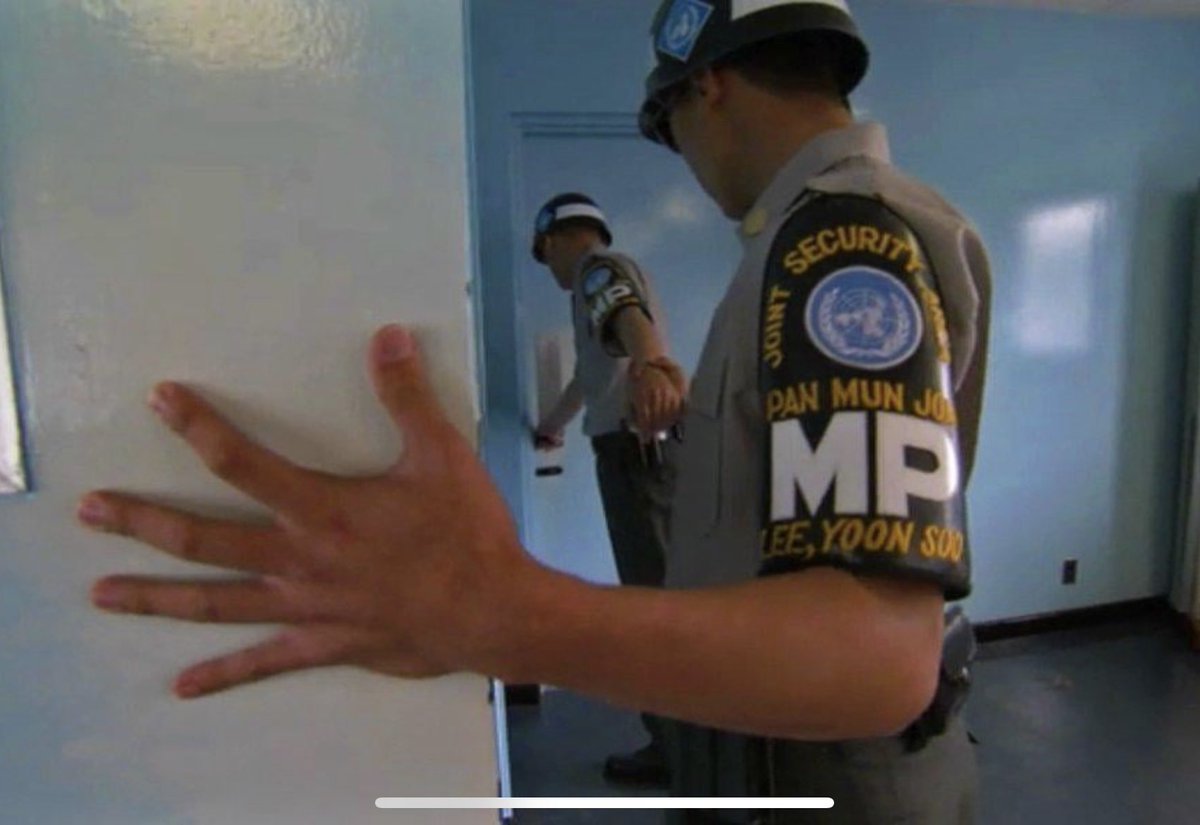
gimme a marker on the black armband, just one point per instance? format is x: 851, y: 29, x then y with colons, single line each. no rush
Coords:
x: 609, y: 289
x: 863, y: 470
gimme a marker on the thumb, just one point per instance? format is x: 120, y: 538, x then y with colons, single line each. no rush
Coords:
x: 398, y: 372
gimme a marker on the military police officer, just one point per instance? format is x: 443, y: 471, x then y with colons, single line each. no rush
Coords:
x: 819, y: 526
x: 848, y: 352
x: 630, y: 389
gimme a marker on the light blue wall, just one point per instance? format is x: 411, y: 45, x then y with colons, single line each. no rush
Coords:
x: 1074, y: 143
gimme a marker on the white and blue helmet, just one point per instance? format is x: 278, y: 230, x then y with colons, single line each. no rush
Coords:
x: 689, y: 35
x: 568, y: 209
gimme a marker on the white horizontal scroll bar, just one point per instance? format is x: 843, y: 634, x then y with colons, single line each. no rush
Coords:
x: 576, y: 803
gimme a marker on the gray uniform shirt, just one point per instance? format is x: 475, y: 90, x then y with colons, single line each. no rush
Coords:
x: 720, y: 494
x: 599, y: 371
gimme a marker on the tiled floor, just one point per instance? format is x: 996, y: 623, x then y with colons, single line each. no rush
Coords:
x: 1099, y: 727
x: 558, y: 749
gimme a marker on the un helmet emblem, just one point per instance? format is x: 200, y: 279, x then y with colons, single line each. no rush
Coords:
x: 682, y: 28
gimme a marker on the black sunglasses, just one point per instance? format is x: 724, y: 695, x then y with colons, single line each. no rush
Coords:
x: 655, y: 118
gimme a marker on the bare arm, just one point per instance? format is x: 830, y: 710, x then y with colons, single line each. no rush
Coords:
x: 657, y: 385
x: 819, y: 655
x: 416, y: 572
x: 619, y: 310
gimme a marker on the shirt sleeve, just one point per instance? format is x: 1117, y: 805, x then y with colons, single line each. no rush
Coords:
x: 863, y: 466
x: 610, y: 286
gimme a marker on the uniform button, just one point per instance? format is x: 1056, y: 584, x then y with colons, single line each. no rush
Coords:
x: 754, y: 222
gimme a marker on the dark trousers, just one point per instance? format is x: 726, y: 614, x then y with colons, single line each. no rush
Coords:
x: 636, y: 489
x: 871, y: 782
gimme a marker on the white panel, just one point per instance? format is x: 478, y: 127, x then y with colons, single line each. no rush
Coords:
x: 1057, y: 286
x: 232, y: 193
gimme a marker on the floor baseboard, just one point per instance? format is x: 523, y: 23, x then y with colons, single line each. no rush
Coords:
x: 1078, y: 619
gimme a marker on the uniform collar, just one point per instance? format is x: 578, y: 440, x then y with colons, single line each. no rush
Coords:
x: 813, y: 158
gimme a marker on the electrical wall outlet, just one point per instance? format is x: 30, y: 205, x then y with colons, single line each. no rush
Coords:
x: 1070, y: 571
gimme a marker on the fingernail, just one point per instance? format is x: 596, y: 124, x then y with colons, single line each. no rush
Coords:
x: 94, y: 512
x: 163, y: 401
x: 107, y: 599
x: 395, y: 344
x: 186, y: 687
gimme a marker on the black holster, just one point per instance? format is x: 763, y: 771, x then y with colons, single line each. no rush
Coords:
x: 954, y: 681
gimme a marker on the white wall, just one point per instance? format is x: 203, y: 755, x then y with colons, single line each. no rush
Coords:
x: 233, y: 193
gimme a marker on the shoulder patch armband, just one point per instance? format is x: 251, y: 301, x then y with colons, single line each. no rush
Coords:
x: 608, y: 287
x: 854, y: 370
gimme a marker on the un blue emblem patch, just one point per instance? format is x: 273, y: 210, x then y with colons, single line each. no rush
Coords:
x: 682, y: 28
x: 544, y: 221
x: 864, y: 318
x: 597, y: 280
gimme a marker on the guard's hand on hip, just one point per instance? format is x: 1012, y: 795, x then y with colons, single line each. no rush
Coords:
x: 657, y: 395
x: 403, y: 573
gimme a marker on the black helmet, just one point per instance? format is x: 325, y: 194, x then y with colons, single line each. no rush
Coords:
x: 689, y: 35
x: 568, y: 209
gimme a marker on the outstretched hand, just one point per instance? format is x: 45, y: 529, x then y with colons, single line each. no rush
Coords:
x: 404, y: 573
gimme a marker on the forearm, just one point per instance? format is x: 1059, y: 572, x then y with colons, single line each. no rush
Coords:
x: 638, y: 335
x: 817, y: 656
x: 569, y: 404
